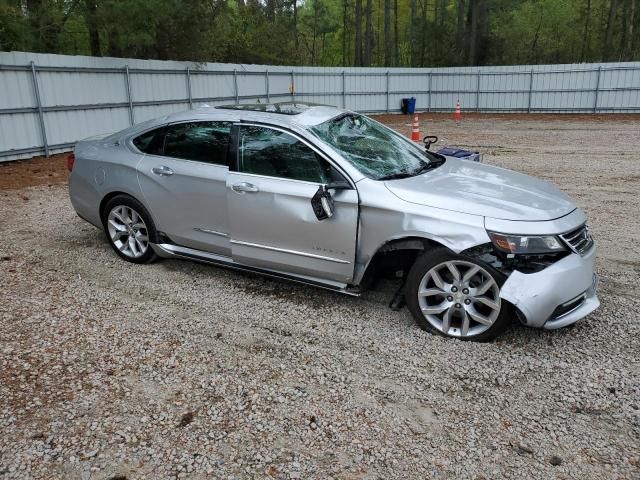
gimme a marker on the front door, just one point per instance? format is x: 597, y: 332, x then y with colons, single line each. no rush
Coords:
x: 183, y: 179
x: 273, y: 224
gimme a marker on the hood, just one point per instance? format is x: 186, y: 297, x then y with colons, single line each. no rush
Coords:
x: 479, y: 189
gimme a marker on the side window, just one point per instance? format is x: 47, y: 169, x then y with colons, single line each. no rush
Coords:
x: 199, y: 141
x: 264, y: 151
x: 150, y: 142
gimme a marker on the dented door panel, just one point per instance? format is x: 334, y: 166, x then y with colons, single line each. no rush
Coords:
x: 275, y: 227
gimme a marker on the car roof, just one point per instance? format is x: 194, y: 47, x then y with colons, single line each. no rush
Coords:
x: 302, y: 114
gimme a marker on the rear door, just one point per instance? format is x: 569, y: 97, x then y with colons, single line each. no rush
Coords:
x: 269, y: 192
x: 183, y: 180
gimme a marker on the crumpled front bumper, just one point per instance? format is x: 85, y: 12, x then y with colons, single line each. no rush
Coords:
x: 557, y: 296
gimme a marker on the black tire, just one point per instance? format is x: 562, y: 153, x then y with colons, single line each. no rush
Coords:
x: 434, y: 258
x: 126, y: 201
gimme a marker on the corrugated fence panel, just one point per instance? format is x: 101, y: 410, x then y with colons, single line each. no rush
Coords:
x: 87, y: 123
x: 147, y: 87
x: 19, y: 130
x: 212, y: 86
x: 16, y: 89
x: 144, y: 113
x: 85, y: 96
x: 71, y: 88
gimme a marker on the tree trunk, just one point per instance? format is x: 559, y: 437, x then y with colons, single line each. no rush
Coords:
x: 345, y: 6
x: 630, y: 22
x: 92, y: 26
x: 358, y: 50
x: 606, y: 52
x: 388, y: 42
x: 460, y: 31
x: 412, y: 33
x: 423, y: 37
x: 474, y: 14
x: 396, y: 46
x: 368, y: 40
x: 534, y: 44
x: 315, y: 33
x: 585, y: 33
x: 113, y: 44
x: 295, y: 29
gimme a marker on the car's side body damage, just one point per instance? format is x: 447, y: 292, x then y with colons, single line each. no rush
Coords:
x: 378, y: 225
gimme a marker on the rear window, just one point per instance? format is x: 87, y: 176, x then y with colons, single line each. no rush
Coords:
x: 150, y: 142
x: 198, y: 141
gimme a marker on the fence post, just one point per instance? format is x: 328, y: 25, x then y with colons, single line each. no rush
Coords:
x: 530, y: 90
x: 429, y: 92
x: 36, y: 91
x: 129, y: 99
x: 189, y: 87
x: 266, y: 83
x: 595, y: 103
x: 387, y: 91
x: 293, y: 88
x: 478, y: 92
x: 344, y: 92
x: 235, y: 85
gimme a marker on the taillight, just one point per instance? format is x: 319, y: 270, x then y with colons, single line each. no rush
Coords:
x: 71, y: 158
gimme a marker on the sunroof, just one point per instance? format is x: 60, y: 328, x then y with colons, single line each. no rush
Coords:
x: 283, y: 108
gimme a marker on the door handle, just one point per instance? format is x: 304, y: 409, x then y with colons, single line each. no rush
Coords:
x: 162, y: 171
x: 245, y: 187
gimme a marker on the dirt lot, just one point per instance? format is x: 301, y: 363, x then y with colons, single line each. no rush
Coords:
x: 110, y: 370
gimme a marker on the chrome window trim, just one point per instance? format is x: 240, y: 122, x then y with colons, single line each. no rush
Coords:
x: 292, y: 252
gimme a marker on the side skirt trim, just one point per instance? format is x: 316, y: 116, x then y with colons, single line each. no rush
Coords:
x: 168, y: 250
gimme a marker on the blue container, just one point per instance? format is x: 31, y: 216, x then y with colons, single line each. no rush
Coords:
x: 460, y: 153
x: 408, y: 105
x: 411, y: 105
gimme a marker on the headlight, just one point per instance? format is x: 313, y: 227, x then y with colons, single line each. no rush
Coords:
x: 526, y: 244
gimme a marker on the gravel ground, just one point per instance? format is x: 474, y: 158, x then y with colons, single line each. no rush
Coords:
x: 111, y: 370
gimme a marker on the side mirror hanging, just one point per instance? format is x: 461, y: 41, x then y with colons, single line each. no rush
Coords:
x: 322, y: 203
x: 429, y: 140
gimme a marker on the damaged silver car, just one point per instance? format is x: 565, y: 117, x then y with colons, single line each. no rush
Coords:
x: 334, y: 199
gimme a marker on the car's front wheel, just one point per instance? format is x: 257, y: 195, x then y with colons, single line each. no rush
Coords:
x: 129, y: 229
x: 456, y: 296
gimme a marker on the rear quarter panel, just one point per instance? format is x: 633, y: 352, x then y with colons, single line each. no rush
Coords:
x: 101, y: 168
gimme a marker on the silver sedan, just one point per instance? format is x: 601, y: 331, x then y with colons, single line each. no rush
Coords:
x: 334, y: 199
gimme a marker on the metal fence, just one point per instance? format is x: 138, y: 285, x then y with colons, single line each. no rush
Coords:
x: 50, y: 101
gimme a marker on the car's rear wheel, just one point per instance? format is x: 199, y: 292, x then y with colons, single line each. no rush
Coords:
x: 456, y: 296
x: 129, y: 229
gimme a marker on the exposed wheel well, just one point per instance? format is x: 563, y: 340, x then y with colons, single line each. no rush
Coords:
x: 106, y: 198
x: 395, y: 258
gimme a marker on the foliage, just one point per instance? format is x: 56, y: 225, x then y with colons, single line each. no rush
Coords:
x: 323, y: 32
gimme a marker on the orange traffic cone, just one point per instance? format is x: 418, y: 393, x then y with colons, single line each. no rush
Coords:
x: 458, y: 115
x: 415, y: 133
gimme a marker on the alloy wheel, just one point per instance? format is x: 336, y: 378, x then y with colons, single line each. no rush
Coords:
x: 127, y: 231
x: 459, y: 298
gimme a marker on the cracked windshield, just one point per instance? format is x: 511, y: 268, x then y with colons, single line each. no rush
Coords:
x: 375, y: 150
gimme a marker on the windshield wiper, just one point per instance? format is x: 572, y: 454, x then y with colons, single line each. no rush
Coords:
x: 429, y: 166
x: 423, y: 168
x: 393, y: 176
